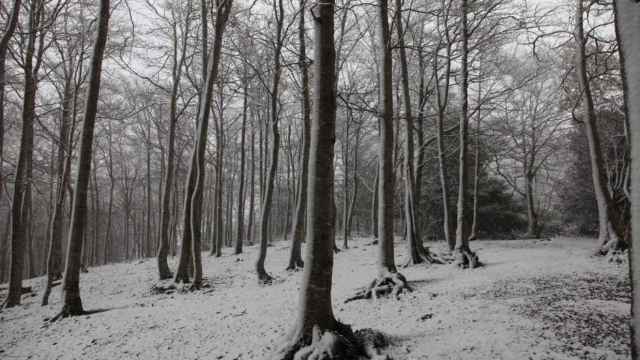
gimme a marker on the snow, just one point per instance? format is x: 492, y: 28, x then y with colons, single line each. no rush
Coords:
x: 531, y: 300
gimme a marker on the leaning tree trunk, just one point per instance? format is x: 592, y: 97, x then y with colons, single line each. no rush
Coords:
x: 608, y: 237
x: 465, y: 257
x: 198, y: 169
x: 263, y: 276
x: 72, y: 304
x: 297, y: 225
x: 21, y: 189
x: 628, y: 17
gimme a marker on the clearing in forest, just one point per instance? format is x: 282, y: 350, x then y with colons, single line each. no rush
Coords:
x: 531, y: 300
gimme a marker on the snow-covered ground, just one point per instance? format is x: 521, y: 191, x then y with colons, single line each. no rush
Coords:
x: 531, y: 300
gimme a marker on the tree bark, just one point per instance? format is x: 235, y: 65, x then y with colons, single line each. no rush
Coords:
x: 21, y: 190
x: 628, y: 17
x: 72, y: 304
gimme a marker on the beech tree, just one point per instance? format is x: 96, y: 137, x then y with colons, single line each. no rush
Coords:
x: 608, y: 236
x: 464, y: 256
x: 72, y: 303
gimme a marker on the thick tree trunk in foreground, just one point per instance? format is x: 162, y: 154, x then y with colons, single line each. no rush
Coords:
x: 317, y: 334
x: 465, y: 257
x: 21, y: 189
x: 71, y: 283
x: 608, y: 238
x: 298, y: 225
x: 628, y: 16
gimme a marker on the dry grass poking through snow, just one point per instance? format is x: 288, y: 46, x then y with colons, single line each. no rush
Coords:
x: 532, y: 300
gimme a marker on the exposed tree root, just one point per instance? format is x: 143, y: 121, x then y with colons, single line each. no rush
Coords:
x: 203, y: 284
x: 341, y: 344
x: 69, y: 310
x: 467, y: 259
x: 393, y: 284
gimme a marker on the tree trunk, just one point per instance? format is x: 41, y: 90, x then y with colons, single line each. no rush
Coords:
x: 607, y: 235
x: 263, y: 276
x: 386, y: 262
x: 465, y: 257
x: 476, y: 167
x: 298, y: 223
x: 71, y: 283
x: 21, y: 190
x: 628, y: 18
x: 315, y: 309
x: 240, y: 233
x: 193, y: 198
x: 63, y: 170
x: 4, y: 47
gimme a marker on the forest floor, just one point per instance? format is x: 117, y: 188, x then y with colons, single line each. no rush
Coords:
x: 531, y: 300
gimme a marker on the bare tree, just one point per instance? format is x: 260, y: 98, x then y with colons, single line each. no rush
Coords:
x: 465, y: 257
x: 265, y: 212
x: 72, y: 303
x: 297, y: 225
x: 608, y: 237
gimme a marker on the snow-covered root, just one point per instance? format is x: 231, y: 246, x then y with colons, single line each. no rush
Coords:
x: 467, y: 259
x: 390, y: 284
x: 341, y: 344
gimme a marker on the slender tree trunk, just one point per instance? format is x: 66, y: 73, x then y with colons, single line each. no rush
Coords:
x: 240, y: 221
x: 72, y: 304
x: 252, y: 188
x: 4, y: 47
x: 63, y: 170
x: 608, y: 237
x: 374, y: 204
x: 476, y: 167
x: 298, y: 223
x: 465, y: 257
x: 263, y: 276
x: 193, y: 197
x: 628, y: 23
